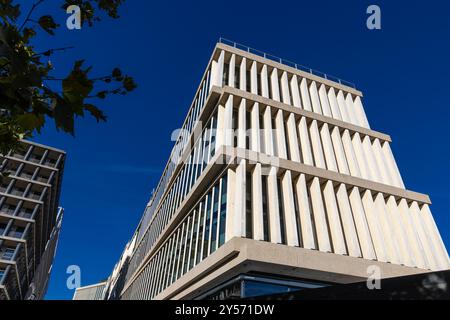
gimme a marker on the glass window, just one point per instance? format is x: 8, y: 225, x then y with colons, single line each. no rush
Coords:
x: 207, y: 225
x: 281, y: 209
x: 266, y: 223
x: 214, y: 219
x: 200, y: 232
x: 223, y: 211
x: 2, y: 274
x: 7, y: 253
x: 248, y: 207
x: 194, y: 238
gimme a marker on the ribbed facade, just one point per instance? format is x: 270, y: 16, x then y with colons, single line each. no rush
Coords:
x: 278, y: 155
x: 30, y: 219
x: 93, y: 292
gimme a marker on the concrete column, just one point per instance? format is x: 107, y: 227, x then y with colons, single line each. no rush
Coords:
x: 374, y: 226
x: 305, y: 213
x: 314, y: 98
x: 326, y: 109
x: 390, y: 240
x: 361, y: 157
x: 289, y: 210
x: 343, y: 107
x: 255, y: 142
x: 257, y: 205
x: 306, y: 102
x: 339, y: 151
x: 264, y: 82
x: 228, y: 122
x: 370, y: 157
x: 281, y: 138
x: 360, y: 112
x: 319, y: 216
x: 239, y: 223
x: 382, y: 166
x: 242, y: 124
x: 274, y: 85
x: 293, y: 139
x: 220, y: 132
x: 316, y: 145
x: 400, y: 233
x: 334, y: 104
x: 433, y: 232
x: 304, y: 142
x: 417, y: 251
x: 328, y: 148
x: 285, y: 88
x: 427, y: 245
x: 273, y: 206
x: 296, y: 101
x: 268, y: 138
x: 243, y: 75
x: 232, y: 71
x: 254, y: 78
x: 350, y: 154
x: 334, y: 221
x: 348, y: 224
x: 217, y: 70
x: 351, y: 110
x: 362, y: 226
x: 390, y: 161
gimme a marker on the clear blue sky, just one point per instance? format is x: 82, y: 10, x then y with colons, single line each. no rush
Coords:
x: 403, y: 71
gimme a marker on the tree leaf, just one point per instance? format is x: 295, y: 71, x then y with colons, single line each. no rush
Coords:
x: 48, y: 24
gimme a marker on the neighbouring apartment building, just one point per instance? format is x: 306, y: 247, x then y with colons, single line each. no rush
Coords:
x: 30, y: 219
x: 276, y: 183
x: 92, y: 292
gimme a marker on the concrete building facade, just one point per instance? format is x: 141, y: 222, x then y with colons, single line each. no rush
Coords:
x: 92, y: 292
x: 30, y: 219
x: 277, y: 182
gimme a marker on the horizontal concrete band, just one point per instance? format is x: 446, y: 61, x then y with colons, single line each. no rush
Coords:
x: 280, y: 66
x: 240, y: 255
x: 236, y: 154
x: 226, y: 91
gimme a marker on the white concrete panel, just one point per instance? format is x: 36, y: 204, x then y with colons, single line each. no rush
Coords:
x: 374, y: 226
x: 268, y: 132
x: 257, y: 204
x: 433, y: 231
x: 239, y: 223
x: 285, y: 88
x: 255, y: 141
x: 339, y: 151
x: 390, y: 161
x: 427, y: 244
x: 412, y: 236
x: 296, y: 100
x: 328, y: 148
x: 228, y: 122
x: 352, y: 161
x: 334, y: 104
x: 305, y: 213
x: 289, y: 210
x: 382, y: 166
x: 360, y: 112
x: 273, y: 206
x: 337, y: 236
x: 243, y: 75
x: 361, y: 157
x: 316, y: 145
x: 314, y: 98
x: 274, y: 85
x: 351, y: 110
x: 281, y: 138
x: 392, y: 250
x: 343, y: 107
x: 400, y: 233
x: 348, y: 225
x: 362, y: 226
x: 304, y: 142
x: 232, y: 71
x: 293, y: 139
x: 220, y: 132
x: 326, y: 109
x: 242, y: 123
x: 371, y: 161
x: 254, y: 78
x: 306, y: 102
x: 217, y: 70
x: 320, y: 220
x: 264, y: 82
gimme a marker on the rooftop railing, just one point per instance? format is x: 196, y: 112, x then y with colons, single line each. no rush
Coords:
x: 286, y: 62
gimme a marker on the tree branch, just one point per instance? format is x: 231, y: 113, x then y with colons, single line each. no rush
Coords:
x: 35, y: 5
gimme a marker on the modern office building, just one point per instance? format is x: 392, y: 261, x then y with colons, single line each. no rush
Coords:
x: 277, y: 183
x: 92, y: 292
x: 30, y: 219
